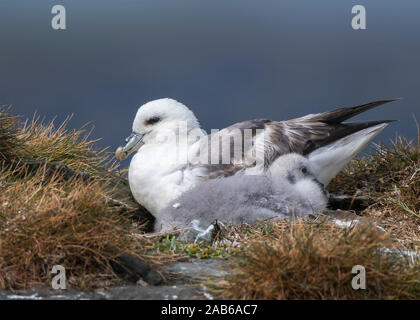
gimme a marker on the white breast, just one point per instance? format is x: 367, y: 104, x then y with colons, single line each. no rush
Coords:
x: 156, y: 176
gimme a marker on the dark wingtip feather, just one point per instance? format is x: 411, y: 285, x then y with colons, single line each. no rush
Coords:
x: 339, y: 115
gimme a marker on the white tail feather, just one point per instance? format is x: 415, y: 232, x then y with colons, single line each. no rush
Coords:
x: 329, y: 160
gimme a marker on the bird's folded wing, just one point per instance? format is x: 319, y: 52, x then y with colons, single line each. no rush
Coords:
x: 238, y: 146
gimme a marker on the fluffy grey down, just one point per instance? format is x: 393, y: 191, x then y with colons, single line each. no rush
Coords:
x: 288, y: 189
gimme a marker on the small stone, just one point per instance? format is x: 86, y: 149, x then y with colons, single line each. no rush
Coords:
x: 142, y: 283
x: 133, y: 269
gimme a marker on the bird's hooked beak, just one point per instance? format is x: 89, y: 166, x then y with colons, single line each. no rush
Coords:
x: 133, y: 143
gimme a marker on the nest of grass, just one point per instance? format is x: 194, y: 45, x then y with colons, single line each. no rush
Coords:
x: 314, y: 261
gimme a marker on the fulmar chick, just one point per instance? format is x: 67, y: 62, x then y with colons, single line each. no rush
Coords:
x: 287, y: 189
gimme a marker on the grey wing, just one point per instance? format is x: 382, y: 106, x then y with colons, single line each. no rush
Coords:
x: 269, y: 139
x: 245, y: 144
x: 313, y: 131
x: 232, y: 149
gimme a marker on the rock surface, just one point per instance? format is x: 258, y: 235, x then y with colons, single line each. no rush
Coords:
x: 133, y: 269
x: 185, y: 285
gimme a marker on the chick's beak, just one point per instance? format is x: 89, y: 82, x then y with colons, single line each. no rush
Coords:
x: 133, y: 143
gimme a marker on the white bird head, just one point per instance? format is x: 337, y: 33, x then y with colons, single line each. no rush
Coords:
x: 157, y: 121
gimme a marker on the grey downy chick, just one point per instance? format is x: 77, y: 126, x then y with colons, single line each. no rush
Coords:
x: 287, y: 189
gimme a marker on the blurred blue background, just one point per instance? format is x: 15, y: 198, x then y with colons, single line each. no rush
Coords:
x: 227, y: 60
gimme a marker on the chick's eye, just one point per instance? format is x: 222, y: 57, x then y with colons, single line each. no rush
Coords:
x: 151, y: 120
x: 304, y: 170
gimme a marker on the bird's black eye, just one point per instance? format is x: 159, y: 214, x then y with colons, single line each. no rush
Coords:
x: 151, y: 120
x: 304, y: 170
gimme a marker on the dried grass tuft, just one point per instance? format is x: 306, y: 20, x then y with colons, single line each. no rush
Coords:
x: 309, y: 261
x: 8, y: 134
x: 47, y: 219
x: 391, y: 179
